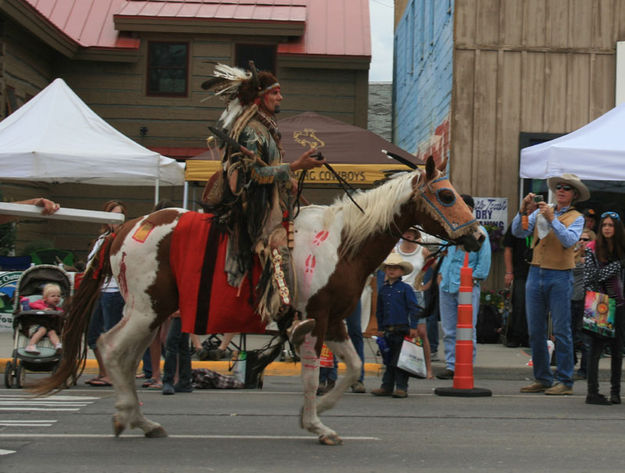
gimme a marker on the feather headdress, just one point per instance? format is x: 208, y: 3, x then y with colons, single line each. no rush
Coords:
x: 226, y: 80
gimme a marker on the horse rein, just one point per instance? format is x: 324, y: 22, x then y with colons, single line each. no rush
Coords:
x: 346, y: 186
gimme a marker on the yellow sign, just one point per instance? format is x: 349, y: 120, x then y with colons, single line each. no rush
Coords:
x: 355, y: 174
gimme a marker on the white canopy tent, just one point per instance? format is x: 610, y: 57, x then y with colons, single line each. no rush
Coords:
x: 594, y: 152
x: 56, y: 137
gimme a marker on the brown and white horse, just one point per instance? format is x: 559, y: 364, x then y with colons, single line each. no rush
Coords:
x: 336, y: 248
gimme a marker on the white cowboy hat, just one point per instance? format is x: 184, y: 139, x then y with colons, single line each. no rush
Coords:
x: 572, y: 180
x: 394, y: 259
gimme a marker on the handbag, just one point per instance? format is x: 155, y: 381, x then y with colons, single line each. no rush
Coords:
x: 599, y: 312
x: 411, y: 359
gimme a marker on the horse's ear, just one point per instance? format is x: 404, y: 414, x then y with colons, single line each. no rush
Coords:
x: 442, y: 167
x: 430, y: 168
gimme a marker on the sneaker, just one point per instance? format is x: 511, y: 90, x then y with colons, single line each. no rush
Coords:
x: 400, y: 393
x: 168, y: 389
x: 31, y: 349
x: 358, y: 387
x: 534, y: 388
x: 434, y: 357
x: 598, y: 399
x: 615, y: 398
x: 559, y: 390
x: 58, y: 348
x: 447, y: 374
x: 381, y: 392
x: 183, y: 389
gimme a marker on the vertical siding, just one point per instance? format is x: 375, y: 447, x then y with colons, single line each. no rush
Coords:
x: 423, y: 78
x: 553, y: 73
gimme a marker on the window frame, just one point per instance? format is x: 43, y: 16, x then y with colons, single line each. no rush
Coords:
x: 150, y: 93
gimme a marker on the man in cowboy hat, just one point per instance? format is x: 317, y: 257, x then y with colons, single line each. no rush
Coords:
x: 397, y: 313
x: 556, y: 229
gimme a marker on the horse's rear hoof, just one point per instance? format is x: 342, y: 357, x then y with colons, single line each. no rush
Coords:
x: 330, y: 440
x: 118, y: 427
x: 158, y: 432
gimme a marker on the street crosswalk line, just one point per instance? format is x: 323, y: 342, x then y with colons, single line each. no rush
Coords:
x: 26, y: 423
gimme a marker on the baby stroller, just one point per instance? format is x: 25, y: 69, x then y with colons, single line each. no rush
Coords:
x: 25, y: 321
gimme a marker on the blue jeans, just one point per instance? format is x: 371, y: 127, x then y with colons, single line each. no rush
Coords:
x: 354, y: 330
x: 549, y: 290
x: 448, y: 302
x: 96, y: 326
x: 112, y: 305
x: 393, y: 376
x: 178, y: 354
x: 431, y: 322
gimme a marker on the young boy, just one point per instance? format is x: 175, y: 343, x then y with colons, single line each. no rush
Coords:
x: 50, y: 301
x: 397, y: 314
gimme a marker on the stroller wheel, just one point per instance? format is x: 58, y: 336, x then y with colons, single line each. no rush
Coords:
x: 20, y: 376
x: 8, y: 375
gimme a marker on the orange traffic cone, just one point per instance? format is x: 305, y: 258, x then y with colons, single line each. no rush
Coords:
x: 463, y: 373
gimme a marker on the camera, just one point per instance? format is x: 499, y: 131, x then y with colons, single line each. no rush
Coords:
x: 538, y: 198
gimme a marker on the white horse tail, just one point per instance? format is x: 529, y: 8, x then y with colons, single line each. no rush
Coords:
x: 77, y: 322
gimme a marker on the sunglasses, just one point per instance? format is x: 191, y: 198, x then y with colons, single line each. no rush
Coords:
x: 585, y: 239
x: 565, y: 187
x: 613, y: 215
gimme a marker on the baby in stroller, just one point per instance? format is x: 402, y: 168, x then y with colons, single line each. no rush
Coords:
x: 49, y: 302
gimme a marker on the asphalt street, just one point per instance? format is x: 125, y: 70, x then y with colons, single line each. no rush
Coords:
x: 258, y: 431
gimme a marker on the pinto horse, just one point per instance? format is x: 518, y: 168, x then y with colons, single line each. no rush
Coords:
x: 336, y: 248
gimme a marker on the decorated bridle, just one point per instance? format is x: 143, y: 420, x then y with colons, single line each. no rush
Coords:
x: 436, y: 197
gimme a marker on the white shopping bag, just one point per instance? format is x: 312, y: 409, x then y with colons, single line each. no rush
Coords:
x: 411, y: 359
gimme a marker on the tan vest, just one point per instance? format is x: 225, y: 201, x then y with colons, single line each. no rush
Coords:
x: 549, y: 252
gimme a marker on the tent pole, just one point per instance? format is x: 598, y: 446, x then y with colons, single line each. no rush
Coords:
x: 156, y: 191
x: 185, y: 195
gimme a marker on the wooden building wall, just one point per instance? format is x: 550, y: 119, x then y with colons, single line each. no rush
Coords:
x: 538, y: 66
x: 544, y: 66
x: 116, y: 91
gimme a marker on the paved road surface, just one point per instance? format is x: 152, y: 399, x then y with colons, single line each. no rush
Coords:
x: 258, y: 431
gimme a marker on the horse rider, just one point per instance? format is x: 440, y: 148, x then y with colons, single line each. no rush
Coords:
x: 256, y: 204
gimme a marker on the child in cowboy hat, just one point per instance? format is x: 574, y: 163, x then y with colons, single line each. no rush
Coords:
x: 397, y: 314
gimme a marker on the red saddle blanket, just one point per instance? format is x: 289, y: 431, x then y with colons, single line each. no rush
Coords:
x: 208, y: 304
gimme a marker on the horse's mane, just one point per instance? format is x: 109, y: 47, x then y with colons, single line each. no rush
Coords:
x: 381, y: 204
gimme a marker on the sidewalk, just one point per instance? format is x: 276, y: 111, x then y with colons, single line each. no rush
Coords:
x: 493, y: 361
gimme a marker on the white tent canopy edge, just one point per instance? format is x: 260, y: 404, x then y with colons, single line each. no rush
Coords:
x: 595, y: 151
x: 56, y: 137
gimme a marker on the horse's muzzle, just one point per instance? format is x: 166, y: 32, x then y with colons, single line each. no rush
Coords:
x: 473, y: 241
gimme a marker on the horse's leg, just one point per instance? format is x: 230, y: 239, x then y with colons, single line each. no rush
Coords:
x: 310, y: 379
x: 345, y: 352
x: 122, y: 347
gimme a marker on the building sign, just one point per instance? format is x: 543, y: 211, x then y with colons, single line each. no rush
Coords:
x: 8, y: 282
x: 492, y: 212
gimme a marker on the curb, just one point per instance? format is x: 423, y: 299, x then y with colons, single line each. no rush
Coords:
x: 288, y: 368
x: 277, y: 368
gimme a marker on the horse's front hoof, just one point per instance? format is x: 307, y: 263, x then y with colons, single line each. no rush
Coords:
x: 118, y: 427
x: 331, y: 440
x: 156, y: 433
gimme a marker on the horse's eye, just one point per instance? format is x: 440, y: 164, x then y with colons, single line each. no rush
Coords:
x: 446, y: 196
